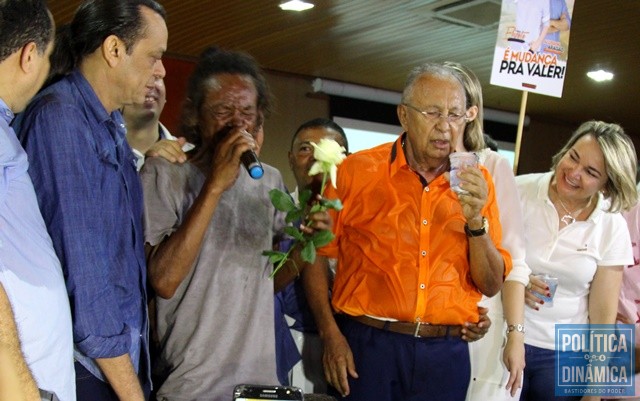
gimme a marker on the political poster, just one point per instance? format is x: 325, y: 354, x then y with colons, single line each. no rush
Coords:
x: 533, y: 45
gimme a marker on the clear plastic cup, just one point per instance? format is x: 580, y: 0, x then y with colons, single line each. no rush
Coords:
x: 458, y: 160
x: 552, y: 282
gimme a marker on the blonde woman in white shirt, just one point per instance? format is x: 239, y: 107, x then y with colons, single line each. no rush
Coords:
x: 574, y: 232
x: 491, y: 379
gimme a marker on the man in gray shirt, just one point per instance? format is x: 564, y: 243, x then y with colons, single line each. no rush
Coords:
x: 207, y: 223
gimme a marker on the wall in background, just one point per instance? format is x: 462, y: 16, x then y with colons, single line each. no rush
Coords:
x: 178, y: 72
x: 295, y: 105
x: 540, y: 141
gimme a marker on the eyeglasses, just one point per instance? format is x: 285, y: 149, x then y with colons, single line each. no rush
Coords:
x: 433, y: 114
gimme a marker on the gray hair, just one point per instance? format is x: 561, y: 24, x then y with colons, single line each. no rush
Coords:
x: 429, y: 69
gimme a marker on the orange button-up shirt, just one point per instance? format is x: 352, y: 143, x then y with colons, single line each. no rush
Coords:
x: 401, y: 246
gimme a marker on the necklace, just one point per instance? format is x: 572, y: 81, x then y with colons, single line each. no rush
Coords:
x: 568, y: 218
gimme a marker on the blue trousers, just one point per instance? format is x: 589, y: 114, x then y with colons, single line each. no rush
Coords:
x: 90, y: 388
x: 539, y: 376
x: 394, y: 366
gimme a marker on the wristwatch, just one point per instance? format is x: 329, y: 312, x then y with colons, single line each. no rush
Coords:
x: 481, y: 231
x: 515, y: 327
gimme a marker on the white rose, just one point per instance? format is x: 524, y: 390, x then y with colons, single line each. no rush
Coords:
x: 328, y: 154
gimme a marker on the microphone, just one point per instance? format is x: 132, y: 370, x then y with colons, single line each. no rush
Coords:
x: 251, y: 162
x: 248, y: 158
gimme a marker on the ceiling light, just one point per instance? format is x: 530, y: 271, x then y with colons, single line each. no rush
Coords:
x: 296, y: 5
x: 600, y: 75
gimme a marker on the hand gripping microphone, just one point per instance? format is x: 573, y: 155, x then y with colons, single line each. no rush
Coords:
x: 250, y: 161
x: 248, y: 158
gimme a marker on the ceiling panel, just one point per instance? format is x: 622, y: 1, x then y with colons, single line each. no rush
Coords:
x: 376, y: 42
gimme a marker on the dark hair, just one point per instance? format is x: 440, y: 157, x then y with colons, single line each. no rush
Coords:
x: 61, y: 63
x: 322, y: 123
x: 490, y: 142
x: 215, y: 61
x: 23, y: 22
x: 93, y: 22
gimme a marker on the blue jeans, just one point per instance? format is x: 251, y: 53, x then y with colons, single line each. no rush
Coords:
x: 540, y: 376
x: 90, y: 388
x: 394, y: 366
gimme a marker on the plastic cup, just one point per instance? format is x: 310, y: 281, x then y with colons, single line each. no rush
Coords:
x: 552, y: 282
x: 457, y: 161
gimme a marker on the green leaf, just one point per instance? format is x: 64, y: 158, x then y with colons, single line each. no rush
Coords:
x: 274, y: 256
x: 335, y: 204
x: 295, y: 233
x: 294, y: 215
x: 309, y: 252
x: 277, y: 267
x: 322, y: 238
x: 317, y: 208
x: 304, y: 196
x: 281, y: 200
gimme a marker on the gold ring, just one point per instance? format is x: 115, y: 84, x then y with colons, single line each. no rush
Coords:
x: 528, y: 286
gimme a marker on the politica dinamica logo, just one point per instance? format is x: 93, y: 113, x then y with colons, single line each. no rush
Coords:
x: 596, y: 359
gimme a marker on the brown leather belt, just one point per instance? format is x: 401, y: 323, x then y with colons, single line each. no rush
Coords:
x: 412, y: 329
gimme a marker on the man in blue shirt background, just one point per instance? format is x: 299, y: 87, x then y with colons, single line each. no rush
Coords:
x: 89, y: 191
x: 37, y: 351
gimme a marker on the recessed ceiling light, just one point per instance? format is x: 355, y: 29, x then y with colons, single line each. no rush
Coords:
x: 600, y: 75
x: 296, y: 5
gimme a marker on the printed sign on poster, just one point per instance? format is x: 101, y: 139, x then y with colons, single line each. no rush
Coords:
x: 533, y: 45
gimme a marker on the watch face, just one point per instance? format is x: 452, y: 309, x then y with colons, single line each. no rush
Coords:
x: 481, y: 231
x: 485, y: 225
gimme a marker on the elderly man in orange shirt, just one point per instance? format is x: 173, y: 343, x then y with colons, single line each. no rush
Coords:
x: 414, y: 257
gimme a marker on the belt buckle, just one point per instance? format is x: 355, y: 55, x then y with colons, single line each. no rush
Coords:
x: 416, y: 333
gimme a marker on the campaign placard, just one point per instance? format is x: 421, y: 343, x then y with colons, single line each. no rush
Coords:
x: 596, y: 359
x: 533, y: 45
